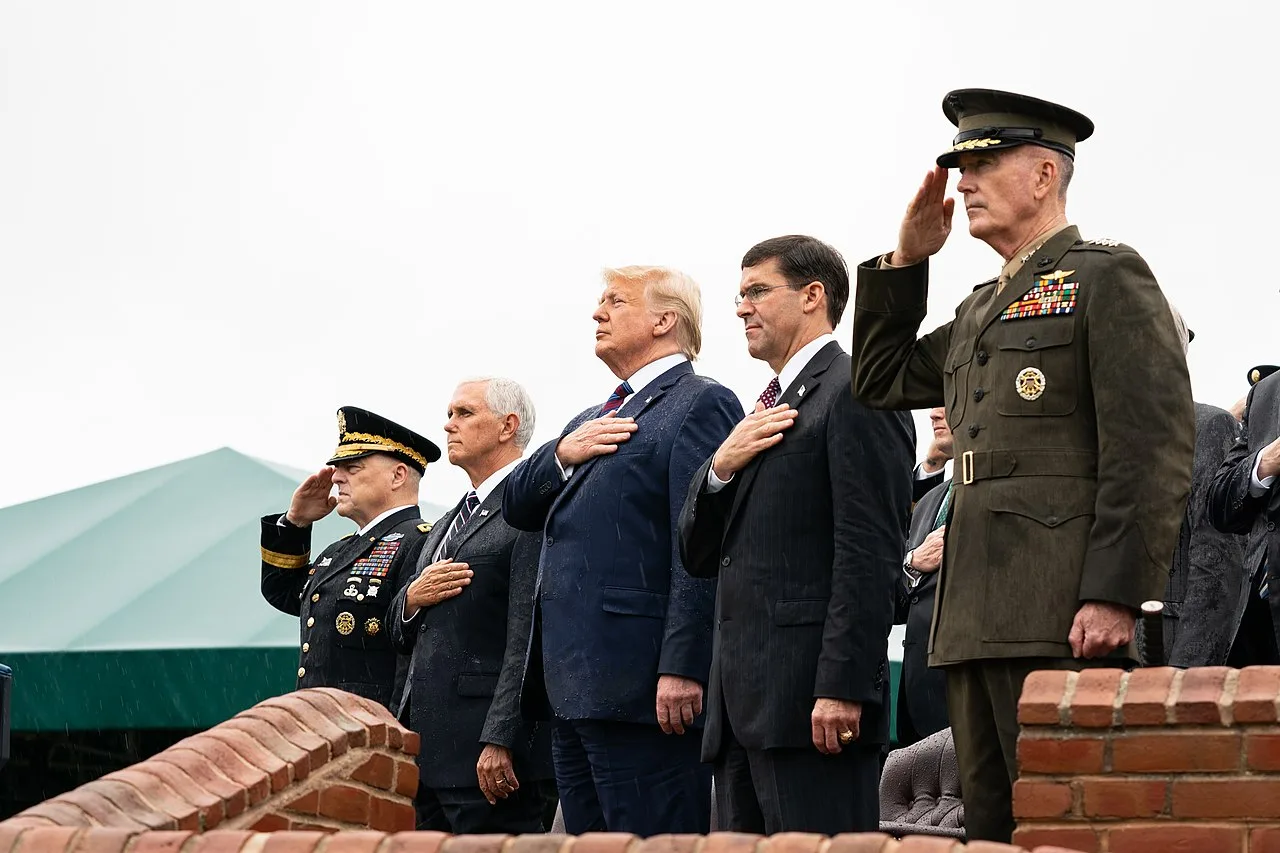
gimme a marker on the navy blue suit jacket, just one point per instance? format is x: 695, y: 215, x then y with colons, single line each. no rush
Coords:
x: 615, y: 607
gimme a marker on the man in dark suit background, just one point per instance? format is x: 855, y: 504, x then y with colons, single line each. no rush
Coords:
x: 801, y: 513
x: 1208, y: 589
x: 465, y: 620
x: 922, y: 692
x: 1244, y: 499
x: 622, y: 645
x: 932, y: 469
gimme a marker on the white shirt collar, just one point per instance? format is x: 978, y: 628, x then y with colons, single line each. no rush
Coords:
x: 652, y: 371
x: 798, y: 362
x: 374, y: 523
x: 495, y: 479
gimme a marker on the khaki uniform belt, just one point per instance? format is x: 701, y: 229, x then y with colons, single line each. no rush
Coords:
x: 995, y: 464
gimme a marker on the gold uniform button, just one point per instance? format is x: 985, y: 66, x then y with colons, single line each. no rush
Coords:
x: 306, y: 647
x: 315, y: 596
x: 302, y: 670
x: 311, y: 622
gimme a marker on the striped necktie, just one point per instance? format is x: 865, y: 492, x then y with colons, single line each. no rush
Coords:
x: 946, y: 505
x: 614, y: 402
x: 469, y: 505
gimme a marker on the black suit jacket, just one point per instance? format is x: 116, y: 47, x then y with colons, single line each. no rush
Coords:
x: 1232, y: 509
x: 922, y: 692
x: 807, y: 543
x: 468, y: 653
x: 1208, y: 587
x: 342, y: 600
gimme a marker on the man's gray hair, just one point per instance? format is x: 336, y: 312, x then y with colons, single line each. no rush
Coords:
x: 507, y: 397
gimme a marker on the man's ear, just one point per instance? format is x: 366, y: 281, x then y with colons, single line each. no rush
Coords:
x: 814, y: 293
x: 510, y: 426
x: 664, y: 324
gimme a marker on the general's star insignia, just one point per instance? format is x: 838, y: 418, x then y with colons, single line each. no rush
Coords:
x: 326, y: 561
x: 1105, y: 241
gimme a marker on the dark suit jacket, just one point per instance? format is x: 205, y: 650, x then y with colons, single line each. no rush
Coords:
x: 807, y: 543
x: 922, y: 692
x: 616, y: 608
x: 1231, y: 508
x: 342, y: 599
x: 921, y: 486
x: 468, y: 654
x: 1208, y: 584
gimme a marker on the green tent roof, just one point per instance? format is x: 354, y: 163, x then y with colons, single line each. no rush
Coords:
x: 134, y: 603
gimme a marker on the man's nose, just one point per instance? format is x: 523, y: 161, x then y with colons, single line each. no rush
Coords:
x: 745, y: 309
x: 599, y: 316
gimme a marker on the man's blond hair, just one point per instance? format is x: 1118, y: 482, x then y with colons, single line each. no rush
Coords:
x: 668, y: 289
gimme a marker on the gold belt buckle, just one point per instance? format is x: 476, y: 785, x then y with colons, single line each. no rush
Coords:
x: 966, y: 467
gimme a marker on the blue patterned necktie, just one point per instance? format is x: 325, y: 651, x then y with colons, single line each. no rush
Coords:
x: 469, y: 505
x: 614, y: 402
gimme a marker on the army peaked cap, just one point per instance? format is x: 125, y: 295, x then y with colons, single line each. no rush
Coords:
x: 990, y: 119
x: 361, y: 433
x: 1261, y: 372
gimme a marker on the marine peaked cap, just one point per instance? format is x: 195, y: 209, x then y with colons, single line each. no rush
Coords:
x: 1261, y: 372
x: 361, y: 433
x: 989, y: 119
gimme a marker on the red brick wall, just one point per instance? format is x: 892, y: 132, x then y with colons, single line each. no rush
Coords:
x: 1152, y: 760
x: 315, y: 759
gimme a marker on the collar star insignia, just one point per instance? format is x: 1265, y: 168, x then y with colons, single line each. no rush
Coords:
x: 326, y: 561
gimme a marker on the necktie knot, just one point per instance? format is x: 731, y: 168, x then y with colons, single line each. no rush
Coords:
x: 621, y: 393
x: 771, y: 393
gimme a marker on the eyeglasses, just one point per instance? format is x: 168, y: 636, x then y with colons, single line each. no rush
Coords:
x: 755, y: 293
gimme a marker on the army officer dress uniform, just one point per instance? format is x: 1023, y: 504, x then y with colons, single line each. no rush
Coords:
x: 1069, y: 400
x: 342, y: 596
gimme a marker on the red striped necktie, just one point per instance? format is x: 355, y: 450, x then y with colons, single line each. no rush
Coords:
x: 615, y: 400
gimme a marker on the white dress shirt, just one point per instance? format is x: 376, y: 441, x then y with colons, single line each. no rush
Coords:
x: 482, y: 492
x: 1258, y: 486
x: 790, y: 372
x: 363, y: 530
x: 637, y: 381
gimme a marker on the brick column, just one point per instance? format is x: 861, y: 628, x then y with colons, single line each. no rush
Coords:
x: 1152, y: 760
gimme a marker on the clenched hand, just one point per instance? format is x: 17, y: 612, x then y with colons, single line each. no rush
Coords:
x: 830, y: 718
x: 1100, y: 628
x: 679, y: 701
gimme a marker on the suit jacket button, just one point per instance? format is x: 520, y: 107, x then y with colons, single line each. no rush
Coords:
x: 978, y: 394
x: 1031, y: 342
x: 550, y: 541
x: 973, y: 431
x: 915, y: 599
x: 725, y: 561
x: 1271, y: 525
x: 982, y: 357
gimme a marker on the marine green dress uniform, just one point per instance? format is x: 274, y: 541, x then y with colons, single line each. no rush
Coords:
x: 1069, y: 400
x: 342, y: 596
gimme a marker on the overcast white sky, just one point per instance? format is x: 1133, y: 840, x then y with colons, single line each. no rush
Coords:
x: 219, y: 221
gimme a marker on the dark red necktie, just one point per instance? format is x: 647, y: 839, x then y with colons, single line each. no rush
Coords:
x: 771, y: 394
x: 615, y: 400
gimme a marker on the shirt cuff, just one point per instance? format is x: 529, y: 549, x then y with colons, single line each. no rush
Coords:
x: 565, y: 472
x: 714, y: 483
x: 1257, y: 485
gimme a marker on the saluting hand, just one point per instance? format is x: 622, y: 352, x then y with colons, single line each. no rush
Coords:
x: 438, y: 581
x: 927, y: 223
x: 754, y: 434
x: 312, y: 501
x: 597, y: 437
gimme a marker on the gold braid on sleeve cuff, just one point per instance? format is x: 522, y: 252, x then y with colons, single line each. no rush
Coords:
x: 285, y: 561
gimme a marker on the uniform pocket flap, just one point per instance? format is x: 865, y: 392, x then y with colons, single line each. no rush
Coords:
x: 634, y: 602
x: 1030, y: 340
x: 476, y: 684
x: 800, y: 611
x: 1050, y: 508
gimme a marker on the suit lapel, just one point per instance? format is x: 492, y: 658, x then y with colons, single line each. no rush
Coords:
x: 1043, y: 261
x: 355, y: 550
x: 439, y: 530
x: 794, y: 395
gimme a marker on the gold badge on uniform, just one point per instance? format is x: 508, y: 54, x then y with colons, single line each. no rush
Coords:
x: 1030, y: 383
x: 372, y: 627
x: 346, y: 623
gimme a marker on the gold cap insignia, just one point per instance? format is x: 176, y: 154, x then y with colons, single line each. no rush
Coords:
x: 346, y: 623
x: 342, y: 424
x: 372, y: 627
x: 970, y: 144
x: 1256, y: 376
x: 1030, y: 383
